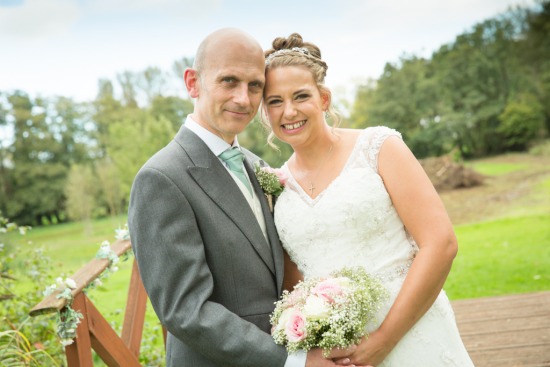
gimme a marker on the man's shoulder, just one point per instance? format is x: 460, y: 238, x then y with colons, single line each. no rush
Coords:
x: 250, y: 155
x: 166, y: 159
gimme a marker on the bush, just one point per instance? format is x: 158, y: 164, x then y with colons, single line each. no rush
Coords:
x: 24, y: 341
x: 521, y: 122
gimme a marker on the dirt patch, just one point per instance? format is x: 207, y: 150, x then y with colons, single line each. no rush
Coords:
x: 448, y: 175
x: 515, y: 193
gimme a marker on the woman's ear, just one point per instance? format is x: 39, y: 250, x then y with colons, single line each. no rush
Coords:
x: 326, y: 98
x: 191, y: 79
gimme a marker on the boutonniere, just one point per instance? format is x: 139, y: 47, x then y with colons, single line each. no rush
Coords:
x: 272, y: 181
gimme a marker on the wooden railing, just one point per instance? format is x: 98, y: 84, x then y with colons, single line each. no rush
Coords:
x: 94, y: 332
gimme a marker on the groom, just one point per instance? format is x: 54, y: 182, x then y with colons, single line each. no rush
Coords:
x: 203, y: 236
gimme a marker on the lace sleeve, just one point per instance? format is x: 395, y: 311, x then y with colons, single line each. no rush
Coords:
x: 374, y: 138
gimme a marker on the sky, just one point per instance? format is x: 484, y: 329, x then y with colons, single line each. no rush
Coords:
x: 63, y: 47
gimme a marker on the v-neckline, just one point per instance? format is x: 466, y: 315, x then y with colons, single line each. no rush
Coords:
x: 300, y: 190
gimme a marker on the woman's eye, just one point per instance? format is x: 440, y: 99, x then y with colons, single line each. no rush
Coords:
x: 302, y: 96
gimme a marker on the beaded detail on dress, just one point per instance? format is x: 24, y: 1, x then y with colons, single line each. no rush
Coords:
x: 353, y: 223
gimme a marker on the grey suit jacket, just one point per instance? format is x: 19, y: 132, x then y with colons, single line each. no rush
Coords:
x: 210, y: 274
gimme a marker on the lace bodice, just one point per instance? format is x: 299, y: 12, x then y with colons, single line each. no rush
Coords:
x: 352, y: 222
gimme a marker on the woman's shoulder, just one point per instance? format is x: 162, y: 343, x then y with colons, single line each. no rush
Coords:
x: 371, y: 137
x: 380, y: 131
x: 370, y: 140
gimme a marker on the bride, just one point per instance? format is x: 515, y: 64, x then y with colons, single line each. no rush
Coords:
x: 359, y: 197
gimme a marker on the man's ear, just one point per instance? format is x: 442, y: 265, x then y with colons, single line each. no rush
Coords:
x: 191, y: 79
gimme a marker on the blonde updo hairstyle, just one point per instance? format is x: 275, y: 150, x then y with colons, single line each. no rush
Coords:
x: 310, y: 59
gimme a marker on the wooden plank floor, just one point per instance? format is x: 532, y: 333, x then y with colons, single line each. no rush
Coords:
x: 507, y: 331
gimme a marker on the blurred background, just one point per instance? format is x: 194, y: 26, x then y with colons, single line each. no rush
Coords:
x: 89, y: 90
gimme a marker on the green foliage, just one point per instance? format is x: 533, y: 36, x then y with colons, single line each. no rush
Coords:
x: 17, y: 351
x: 174, y: 109
x: 80, y: 192
x: 521, y: 122
x: 108, y: 179
x: 465, y: 96
x: 24, y: 341
x: 541, y: 148
x: 133, y: 142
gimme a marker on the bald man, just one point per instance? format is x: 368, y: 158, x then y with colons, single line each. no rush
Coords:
x: 203, y: 236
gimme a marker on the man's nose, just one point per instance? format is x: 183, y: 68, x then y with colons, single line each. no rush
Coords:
x: 241, y: 95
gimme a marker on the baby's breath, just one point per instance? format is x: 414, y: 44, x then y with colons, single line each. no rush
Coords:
x: 349, y: 312
x: 268, y: 180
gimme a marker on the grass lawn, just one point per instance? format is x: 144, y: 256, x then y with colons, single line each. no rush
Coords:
x: 505, y: 256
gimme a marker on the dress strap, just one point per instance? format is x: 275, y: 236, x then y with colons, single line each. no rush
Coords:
x: 374, y: 138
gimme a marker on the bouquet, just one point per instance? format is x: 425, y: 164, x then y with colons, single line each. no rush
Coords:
x: 327, y: 313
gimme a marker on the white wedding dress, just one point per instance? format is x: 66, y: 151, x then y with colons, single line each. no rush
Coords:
x: 353, y: 223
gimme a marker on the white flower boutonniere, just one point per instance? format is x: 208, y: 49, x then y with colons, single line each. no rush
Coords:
x: 272, y: 181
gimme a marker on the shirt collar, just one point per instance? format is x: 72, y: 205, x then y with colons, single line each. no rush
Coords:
x: 216, y: 144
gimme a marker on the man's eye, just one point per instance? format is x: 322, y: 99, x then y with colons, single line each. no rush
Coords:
x: 228, y: 80
x: 257, y: 85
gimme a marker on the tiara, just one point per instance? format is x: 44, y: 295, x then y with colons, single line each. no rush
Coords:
x: 285, y: 51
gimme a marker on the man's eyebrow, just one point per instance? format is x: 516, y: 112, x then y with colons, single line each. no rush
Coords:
x: 225, y: 76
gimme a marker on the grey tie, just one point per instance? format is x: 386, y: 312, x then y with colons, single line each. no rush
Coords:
x: 233, y: 157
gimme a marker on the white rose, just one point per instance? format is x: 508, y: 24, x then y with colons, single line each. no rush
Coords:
x: 316, y: 308
x: 283, y: 319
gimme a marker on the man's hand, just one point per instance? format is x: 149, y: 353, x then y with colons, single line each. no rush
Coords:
x: 315, y: 357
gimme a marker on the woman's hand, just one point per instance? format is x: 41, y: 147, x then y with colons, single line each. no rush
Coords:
x: 370, y: 351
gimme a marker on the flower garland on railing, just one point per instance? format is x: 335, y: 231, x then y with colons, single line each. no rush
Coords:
x: 67, y: 318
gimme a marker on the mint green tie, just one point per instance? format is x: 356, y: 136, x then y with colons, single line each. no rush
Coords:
x: 234, y: 158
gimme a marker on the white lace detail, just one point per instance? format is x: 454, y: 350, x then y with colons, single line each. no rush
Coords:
x: 354, y: 223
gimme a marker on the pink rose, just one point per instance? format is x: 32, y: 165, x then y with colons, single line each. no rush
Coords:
x: 330, y: 288
x: 295, y: 296
x: 295, y: 329
x: 281, y: 175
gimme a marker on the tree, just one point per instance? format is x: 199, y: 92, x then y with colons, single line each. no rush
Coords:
x: 521, y: 122
x: 132, y: 142
x: 80, y: 191
x: 109, y: 186
x: 38, y: 175
x: 536, y: 54
x: 174, y: 109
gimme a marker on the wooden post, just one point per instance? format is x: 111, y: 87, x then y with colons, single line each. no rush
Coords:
x: 79, y: 354
x: 134, y: 316
x: 108, y: 345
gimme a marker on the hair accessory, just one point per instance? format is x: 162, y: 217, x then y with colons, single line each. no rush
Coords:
x: 285, y: 51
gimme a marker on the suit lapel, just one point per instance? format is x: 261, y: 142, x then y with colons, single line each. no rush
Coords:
x: 217, y: 183
x: 276, y: 247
